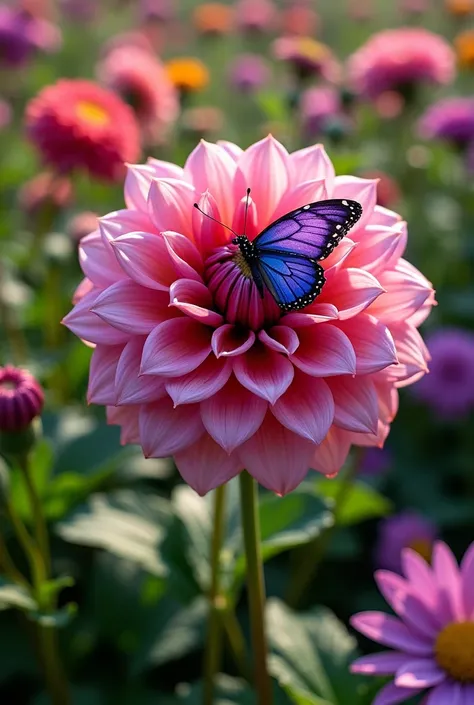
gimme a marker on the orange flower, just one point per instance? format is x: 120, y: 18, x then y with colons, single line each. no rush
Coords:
x: 213, y: 18
x: 188, y: 74
x: 460, y: 8
x: 464, y: 44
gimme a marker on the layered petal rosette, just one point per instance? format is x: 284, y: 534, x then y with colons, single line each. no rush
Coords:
x: 191, y: 362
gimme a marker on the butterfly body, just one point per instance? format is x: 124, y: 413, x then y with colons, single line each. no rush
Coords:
x: 284, y: 257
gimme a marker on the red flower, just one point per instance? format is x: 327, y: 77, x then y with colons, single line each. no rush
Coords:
x: 77, y: 124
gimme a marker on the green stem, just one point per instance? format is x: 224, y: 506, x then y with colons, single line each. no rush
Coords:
x: 213, y: 651
x: 41, y: 529
x: 53, y: 671
x: 9, y: 567
x: 255, y: 585
x: 315, y: 551
x: 236, y: 640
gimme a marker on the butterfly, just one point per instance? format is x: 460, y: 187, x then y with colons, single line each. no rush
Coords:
x: 284, y: 257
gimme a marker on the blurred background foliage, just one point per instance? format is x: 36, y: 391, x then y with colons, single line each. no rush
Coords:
x: 133, y: 541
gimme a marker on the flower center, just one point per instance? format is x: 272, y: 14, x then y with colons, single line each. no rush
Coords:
x: 454, y: 651
x: 92, y: 113
x: 423, y: 547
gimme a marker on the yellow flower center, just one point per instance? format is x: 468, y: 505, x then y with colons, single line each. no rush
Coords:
x: 92, y: 113
x: 424, y: 547
x: 454, y: 651
x: 312, y: 49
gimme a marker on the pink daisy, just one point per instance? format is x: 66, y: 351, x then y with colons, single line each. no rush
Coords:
x: 400, y: 59
x: 191, y: 362
x: 433, y: 633
x: 143, y: 82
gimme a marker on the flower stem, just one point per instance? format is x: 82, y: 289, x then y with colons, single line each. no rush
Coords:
x: 316, y: 550
x: 255, y: 585
x: 213, y: 651
x: 41, y: 529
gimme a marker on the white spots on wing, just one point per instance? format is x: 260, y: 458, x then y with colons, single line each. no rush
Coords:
x: 306, y: 208
x: 345, y: 203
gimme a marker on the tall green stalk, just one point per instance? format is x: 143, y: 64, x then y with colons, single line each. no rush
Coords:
x: 255, y: 585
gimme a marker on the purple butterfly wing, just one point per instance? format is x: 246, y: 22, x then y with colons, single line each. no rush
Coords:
x: 312, y: 231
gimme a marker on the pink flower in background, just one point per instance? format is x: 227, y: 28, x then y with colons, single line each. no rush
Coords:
x: 142, y: 81
x: 404, y: 530
x: 450, y: 119
x: 431, y: 638
x: 401, y: 59
x: 307, y: 57
x: 318, y: 105
x: 191, y: 362
x: 248, y: 73
x: 22, y: 34
x: 255, y: 16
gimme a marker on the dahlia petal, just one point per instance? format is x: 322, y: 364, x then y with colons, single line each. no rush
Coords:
x: 264, y: 168
x: 450, y: 693
x: 372, y: 341
x: 380, y: 249
x: 123, y: 222
x: 351, y: 291
x: 403, y: 296
x: 175, y: 348
x: 204, y: 465
x: 355, y: 403
x: 331, y: 454
x: 371, y: 440
x: 412, y: 354
x: 184, y: 254
x: 316, y: 313
x: 299, y: 195
x: 340, y: 255
x: 202, y: 383
x: 208, y: 234
x: 467, y: 577
x: 306, y: 408
x: 384, y: 216
x: 170, y: 205
x: 144, y: 257
x: 312, y: 163
x: 266, y: 373
x: 209, y: 166
x: 82, y: 289
x: 419, y: 673
x: 448, y: 577
x: 98, y: 261
x: 420, y: 316
x: 193, y: 298
x: 399, y: 595
x: 137, y: 186
x: 233, y: 415
x: 245, y: 218
x: 385, y: 663
x: 131, y: 388
x: 324, y: 351
x: 364, y: 191
x: 277, y: 458
x: 229, y: 340
x: 127, y: 418
x: 387, y: 396
x: 165, y: 430
x: 390, y: 631
x: 390, y: 694
x: 232, y: 149
x: 90, y: 327
x: 129, y: 307
x: 104, y: 361
x: 281, y: 339
x: 165, y: 170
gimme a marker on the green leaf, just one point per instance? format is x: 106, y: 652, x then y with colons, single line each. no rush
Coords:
x: 361, y: 502
x: 126, y: 523
x: 59, y: 619
x: 12, y: 595
x: 41, y: 468
x: 52, y: 588
x: 311, y: 654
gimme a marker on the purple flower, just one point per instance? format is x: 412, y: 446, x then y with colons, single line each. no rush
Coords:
x: 22, y: 34
x: 21, y: 399
x: 432, y: 634
x: 449, y: 388
x: 80, y: 10
x: 376, y: 461
x: 450, y: 119
x: 249, y: 72
x: 404, y: 530
x: 157, y: 10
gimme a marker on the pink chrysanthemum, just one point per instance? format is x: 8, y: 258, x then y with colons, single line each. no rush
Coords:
x: 143, y: 82
x: 433, y: 633
x: 77, y: 124
x: 191, y: 362
x: 400, y: 59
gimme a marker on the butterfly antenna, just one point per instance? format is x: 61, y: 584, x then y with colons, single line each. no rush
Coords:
x: 246, y: 211
x: 214, y: 219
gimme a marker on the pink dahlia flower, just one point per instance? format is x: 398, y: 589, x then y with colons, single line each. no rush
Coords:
x: 191, y: 362
x: 143, y: 82
x: 399, y: 59
x: 432, y: 634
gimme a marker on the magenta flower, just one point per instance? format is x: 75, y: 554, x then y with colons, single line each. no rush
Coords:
x: 248, y: 73
x: 401, y: 59
x: 255, y: 16
x: 22, y: 34
x: 192, y: 363
x: 21, y: 398
x: 404, y: 530
x: 449, y: 388
x: 450, y: 119
x: 433, y: 633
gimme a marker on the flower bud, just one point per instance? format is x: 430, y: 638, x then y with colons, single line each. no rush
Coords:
x: 21, y: 401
